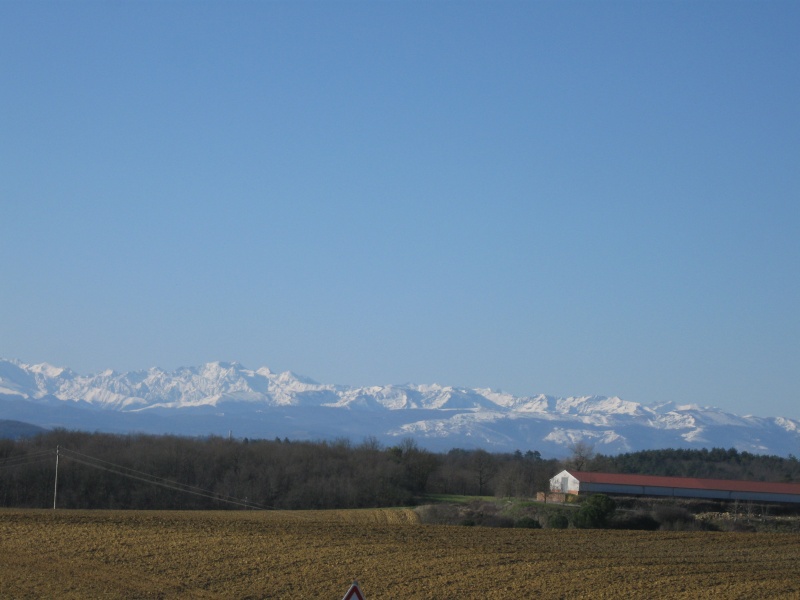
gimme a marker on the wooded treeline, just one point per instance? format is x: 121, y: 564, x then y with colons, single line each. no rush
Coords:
x: 716, y: 463
x: 99, y: 470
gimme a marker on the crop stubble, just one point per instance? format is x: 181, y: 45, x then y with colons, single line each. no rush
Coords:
x: 316, y: 554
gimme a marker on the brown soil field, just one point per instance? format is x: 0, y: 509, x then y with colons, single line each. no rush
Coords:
x: 316, y: 555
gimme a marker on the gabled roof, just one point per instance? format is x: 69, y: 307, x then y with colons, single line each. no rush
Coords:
x: 728, y: 485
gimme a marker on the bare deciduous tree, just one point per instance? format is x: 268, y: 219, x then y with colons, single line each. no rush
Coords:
x: 581, y: 454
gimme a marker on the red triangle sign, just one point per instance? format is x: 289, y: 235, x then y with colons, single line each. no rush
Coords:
x: 353, y: 593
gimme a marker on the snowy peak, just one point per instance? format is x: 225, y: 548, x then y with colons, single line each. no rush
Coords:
x: 32, y: 381
x: 49, y: 371
x: 438, y: 416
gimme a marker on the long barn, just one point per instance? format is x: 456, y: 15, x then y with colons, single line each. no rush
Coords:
x: 581, y: 482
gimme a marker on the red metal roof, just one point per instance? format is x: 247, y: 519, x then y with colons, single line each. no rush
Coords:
x: 687, y: 482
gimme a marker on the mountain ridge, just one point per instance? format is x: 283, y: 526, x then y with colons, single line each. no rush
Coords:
x: 218, y: 397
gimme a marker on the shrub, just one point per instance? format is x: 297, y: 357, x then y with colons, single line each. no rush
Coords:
x: 638, y: 520
x: 558, y: 521
x: 438, y: 514
x: 496, y: 521
x: 674, y: 518
x: 595, y: 512
x: 528, y: 523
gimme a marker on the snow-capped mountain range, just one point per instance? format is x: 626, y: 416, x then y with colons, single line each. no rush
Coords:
x: 228, y: 399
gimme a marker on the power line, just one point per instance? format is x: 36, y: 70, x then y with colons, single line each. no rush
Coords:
x: 19, y: 461
x: 143, y: 476
x: 179, y: 487
x: 130, y: 473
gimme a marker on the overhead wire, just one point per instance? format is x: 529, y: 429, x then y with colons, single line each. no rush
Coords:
x: 26, y: 459
x: 13, y: 462
x: 86, y: 459
x: 104, y: 465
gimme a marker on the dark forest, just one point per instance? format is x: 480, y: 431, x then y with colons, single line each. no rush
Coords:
x: 108, y: 471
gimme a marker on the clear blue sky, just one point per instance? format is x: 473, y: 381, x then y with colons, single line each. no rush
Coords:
x: 539, y: 197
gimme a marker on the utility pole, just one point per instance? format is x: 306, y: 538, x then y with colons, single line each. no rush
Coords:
x: 55, y: 488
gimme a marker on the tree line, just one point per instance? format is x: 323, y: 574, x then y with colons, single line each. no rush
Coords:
x: 102, y: 470
x: 713, y: 463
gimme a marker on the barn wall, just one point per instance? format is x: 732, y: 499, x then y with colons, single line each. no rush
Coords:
x: 646, y: 490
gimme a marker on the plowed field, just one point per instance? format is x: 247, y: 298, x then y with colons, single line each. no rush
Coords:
x: 310, y: 555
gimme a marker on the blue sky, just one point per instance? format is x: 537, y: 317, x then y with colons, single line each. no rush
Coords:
x: 566, y: 198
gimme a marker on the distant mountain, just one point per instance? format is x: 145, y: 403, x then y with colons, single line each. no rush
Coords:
x: 17, y: 430
x: 222, y: 398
